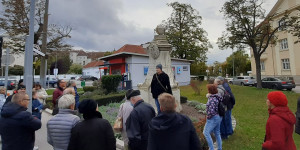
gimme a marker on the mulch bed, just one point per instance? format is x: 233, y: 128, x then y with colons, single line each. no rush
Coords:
x: 191, y: 112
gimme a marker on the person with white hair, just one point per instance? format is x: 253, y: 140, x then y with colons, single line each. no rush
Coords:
x: 59, y: 127
x: 137, y: 123
x: 226, y: 124
x: 18, y: 126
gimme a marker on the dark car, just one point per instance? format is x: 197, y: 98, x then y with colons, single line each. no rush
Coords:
x: 52, y: 82
x: 11, y: 84
x: 86, y: 78
x: 278, y: 83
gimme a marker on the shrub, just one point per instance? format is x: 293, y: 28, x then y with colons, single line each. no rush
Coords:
x: 111, y: 82
x: 106, y: 99
x: 183, y: 99
x: 199, y: 126
x: 89, y: 88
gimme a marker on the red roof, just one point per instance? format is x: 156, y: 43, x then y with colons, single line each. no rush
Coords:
x: 131, y: 49
x: 94, y: 64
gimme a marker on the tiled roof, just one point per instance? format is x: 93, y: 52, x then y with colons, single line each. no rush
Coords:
x: 94, y: 64
x: 131, y: 49
x: 95, y: 55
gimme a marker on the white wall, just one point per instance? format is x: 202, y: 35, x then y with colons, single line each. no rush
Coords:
x: 136, y: 66
x: 94, y: 71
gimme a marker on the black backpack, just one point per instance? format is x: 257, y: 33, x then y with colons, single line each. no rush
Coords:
x: 221, y: 108
x: 226, y: 98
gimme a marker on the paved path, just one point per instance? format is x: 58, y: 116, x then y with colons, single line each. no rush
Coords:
x: 41, y: 135
x: 297, y: 89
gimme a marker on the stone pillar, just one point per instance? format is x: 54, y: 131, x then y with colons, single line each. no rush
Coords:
x: 159, y: 53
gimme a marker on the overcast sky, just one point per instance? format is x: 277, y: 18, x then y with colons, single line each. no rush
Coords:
x: 105, y: 25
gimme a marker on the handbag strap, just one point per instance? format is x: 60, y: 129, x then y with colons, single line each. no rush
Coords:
x: 160, y: 83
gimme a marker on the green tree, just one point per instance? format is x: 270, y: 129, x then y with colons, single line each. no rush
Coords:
x: 247, y: 26
x: 292, y: 24
x: 198, y: 68
x: 241, y: 61
x: 16, y: 70
x: 75, y: 68
x: 109, y: 53
x: 184, y: 33
x: 62, y: 62
x: 15, y: 21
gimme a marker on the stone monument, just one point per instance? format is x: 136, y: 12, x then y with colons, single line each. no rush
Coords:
x: 159, y: 53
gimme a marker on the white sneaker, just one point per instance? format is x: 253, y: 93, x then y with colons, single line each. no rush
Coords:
x: 35, y: 148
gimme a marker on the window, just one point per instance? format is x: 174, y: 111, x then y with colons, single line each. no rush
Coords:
x: 262, y: 66
x: 83, y: 62
x: 185, y: 68
x: 284, y: 44
x: 286, y: 64
x: 281, y: 25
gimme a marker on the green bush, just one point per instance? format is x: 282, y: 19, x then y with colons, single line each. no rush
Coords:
x: 111, y: 82
x: 183, y: 99
x: 89, y: 88
x: 106, y: 99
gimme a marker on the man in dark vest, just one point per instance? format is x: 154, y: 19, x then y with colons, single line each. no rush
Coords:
x: 160, y: 84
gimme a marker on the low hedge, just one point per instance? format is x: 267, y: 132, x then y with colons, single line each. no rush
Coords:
x: 106, y: 99
x: 89, y: 88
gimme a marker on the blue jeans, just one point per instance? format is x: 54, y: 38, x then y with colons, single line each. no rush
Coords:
x: 226, y: 125
x: 157, y: 105
x: 213, y: 125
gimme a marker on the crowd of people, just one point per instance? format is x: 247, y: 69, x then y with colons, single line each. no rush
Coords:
x: 80, y: 126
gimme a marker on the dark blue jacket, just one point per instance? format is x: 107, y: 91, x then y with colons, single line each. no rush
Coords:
x: 17, y: 127
x: 137, y: 125
x: 37, y: 106
x: 232, y: 98
x: 76, y: 98
x: 172, y: 131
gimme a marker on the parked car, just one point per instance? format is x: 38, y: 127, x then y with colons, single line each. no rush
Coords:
x: 11, y: 84
x: 86, y: 78
x: 243, y: 80
x: 52, y: 82
x: 278, y: 83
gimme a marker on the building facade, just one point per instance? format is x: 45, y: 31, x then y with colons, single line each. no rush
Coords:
x: 133, y: 62
x: 83, y: 58
x: 281, y: 59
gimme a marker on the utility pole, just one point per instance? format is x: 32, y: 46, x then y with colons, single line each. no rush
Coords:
x: 43, y: 69
x: 29, y: 55
x: 6, y: 69
x: 232, y: 63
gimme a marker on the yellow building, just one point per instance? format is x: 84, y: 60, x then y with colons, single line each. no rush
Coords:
x: 282, y: 58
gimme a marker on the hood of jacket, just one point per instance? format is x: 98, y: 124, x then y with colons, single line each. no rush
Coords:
x: 11, y: 109
x: 284, y: 113
x: 167, y: 121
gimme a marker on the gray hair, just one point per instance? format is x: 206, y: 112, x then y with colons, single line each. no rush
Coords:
x: 69, y: 90
x: 136, y: 97
x: 66, y: 101
x: 18, y: 97
x: 218, y: 81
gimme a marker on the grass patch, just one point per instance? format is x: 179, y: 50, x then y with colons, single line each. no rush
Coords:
x: 250, y: 112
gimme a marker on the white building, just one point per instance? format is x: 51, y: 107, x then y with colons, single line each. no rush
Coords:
x: 79, y: 57
x: 133, y: 61
x: 93, y: 69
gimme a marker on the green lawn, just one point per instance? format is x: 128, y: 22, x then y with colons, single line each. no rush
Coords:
x: 250, y: 112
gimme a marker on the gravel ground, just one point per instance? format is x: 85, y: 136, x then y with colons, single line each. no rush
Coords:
x: 191, y: 112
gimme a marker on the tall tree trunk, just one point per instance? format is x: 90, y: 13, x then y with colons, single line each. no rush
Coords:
x: 258, y: 71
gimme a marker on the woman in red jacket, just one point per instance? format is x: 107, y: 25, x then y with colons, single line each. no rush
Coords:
x: 280, y: 125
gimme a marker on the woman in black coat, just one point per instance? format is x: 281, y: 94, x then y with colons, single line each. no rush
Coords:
x: 92, y: 133
x: 297, y: 130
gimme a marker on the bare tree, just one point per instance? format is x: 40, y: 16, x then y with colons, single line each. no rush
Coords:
x: 15, y: 21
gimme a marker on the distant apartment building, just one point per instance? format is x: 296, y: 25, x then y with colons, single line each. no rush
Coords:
x: 282, y: 58
x: 83, y: 58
